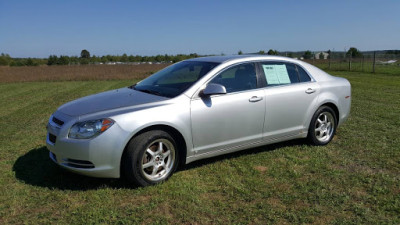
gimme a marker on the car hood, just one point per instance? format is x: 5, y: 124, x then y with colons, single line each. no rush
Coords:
x: 118, y: 98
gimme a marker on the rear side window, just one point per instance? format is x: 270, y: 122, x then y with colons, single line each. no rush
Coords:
x: 303, y: 75
x: 280, y: 73
x: 293, y: 76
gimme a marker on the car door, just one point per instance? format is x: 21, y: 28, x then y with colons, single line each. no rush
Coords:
x: 290, y: 97
x: 233, y: 119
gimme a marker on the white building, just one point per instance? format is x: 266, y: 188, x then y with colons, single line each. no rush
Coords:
x: 318, y: 54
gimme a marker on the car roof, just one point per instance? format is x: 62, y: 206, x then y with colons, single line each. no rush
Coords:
x: 222, y: 59
x: 316, y: 74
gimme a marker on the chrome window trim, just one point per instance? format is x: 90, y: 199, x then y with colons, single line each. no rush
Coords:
x: 287, y: 85
x: 288, y: 62
x: 260, y: 61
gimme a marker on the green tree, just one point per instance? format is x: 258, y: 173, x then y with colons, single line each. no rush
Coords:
x: 124, y: 58
x: 193, y: 55
x: 261, y: 52
x: 5, y: 59
x: 83, y: 61
x: 158, y: 58
x: 85, y: 54
x: 63, y: 60
x: 30, y: 62
x: 110, y: 58
x: 53, y: 59
x: 103, y: 59
x: 393, y: 52
x: 94, y: 59
x: 167, y: 58
x: 240, y: 52
x: 272, y: 52
x: 307, y: 55
x: 353, y: 52
x: 74, y: 60
x: 321, y: 56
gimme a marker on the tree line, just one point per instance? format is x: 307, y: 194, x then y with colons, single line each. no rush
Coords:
x: 86, y: 58
x: 6, y: 60
x: 352, y: 52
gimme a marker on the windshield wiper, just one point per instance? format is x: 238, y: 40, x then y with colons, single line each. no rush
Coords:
x: 153, y: 92
x: 149, y: 91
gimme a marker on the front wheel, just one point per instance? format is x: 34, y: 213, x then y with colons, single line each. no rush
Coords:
x: 150, y: 158
x: 323, y: 126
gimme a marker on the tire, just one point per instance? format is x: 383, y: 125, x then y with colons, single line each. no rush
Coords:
x: 322, y: 126
x: 150, y: 158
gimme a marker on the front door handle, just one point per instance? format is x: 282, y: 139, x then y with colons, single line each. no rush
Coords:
x: 255, y: 99
x: 310, y: 91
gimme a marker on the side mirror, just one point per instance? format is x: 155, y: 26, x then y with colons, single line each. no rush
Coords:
x: 213, y: 89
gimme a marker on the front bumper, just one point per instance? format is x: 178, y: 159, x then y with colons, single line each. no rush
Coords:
x: 96, y: 157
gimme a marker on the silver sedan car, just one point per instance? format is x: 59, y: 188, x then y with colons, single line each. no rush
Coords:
x: 196, y: 109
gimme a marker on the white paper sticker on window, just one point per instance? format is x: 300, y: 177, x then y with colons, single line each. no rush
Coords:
x: 276, y: 74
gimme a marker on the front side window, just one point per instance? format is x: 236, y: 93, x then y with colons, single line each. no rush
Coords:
x: 238, y: 78
x: 175, y: 79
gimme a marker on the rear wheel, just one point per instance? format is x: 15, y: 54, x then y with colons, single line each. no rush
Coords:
x: 150, y: 158
x: 323, y: 126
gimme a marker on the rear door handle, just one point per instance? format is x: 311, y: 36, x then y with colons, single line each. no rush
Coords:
x: 310, y: 91
x: 255, y: 99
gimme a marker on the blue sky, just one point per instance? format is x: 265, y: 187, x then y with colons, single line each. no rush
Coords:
x: 41, y: 28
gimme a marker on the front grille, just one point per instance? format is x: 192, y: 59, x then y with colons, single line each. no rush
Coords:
x: 57, y: 121
x: 83, y: 164
x: 52, y: 138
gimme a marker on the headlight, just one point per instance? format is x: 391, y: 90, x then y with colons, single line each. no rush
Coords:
x: 89, y: 129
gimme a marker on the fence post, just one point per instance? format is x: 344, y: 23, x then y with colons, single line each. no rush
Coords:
x: 373, y: 65
x: 330, y: 57
x: 362, y: 64
x: 350, y: 62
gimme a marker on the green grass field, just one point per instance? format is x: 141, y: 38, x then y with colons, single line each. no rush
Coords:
x: 355, y: 179
x: 357, y: 65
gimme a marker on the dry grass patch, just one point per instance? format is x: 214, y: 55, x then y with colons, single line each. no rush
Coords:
x: 276, y: 203
x: 131, y: 201
x: 260, y: 169
x: 77, y: 72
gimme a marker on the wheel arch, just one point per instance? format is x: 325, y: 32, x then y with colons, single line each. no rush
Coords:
x: 178, y: 137
x: 311, y: 134
x: 334, y: 108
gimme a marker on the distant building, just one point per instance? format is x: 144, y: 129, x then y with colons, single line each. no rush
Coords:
x: 318, y: 54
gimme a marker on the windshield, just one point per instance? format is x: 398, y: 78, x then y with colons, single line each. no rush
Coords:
x: 175, y: 79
